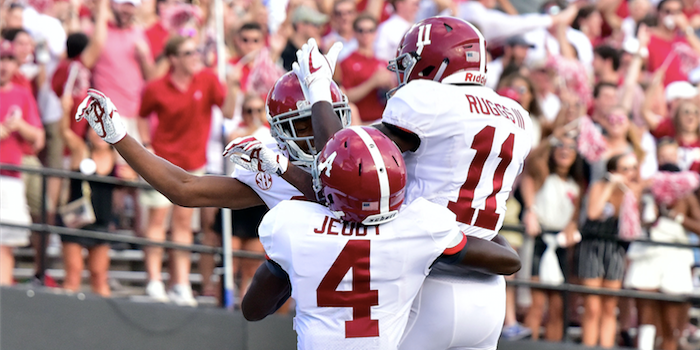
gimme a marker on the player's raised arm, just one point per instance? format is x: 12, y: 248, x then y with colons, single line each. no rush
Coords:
x: 315, y: 73
x: 180, y: 187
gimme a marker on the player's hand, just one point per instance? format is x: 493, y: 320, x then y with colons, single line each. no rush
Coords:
x: 315, y: 70
x: 249, y: 153
x: 102, y: 116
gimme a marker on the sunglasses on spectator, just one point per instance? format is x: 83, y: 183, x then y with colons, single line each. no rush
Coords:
x: 343, y: 13
x: 365, y: 30
x: 251, y: 110
x: 250, y: 40
x: 570, y: 146
x: 188, y: 53
x: 628, y: 168
x: 670, y: 12
x: 691, y: 111
x: 520, y: 89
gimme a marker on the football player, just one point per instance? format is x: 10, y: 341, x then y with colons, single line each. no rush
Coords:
x: 464, y: 146
x: 390, y: 248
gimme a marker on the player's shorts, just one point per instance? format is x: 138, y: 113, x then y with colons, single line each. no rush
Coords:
x: 155, y: 199
x: 13, y: 210
x: 664, y: 268
x: 457, y: 313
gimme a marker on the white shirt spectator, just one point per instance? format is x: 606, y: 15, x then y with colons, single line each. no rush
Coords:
x: 389, y: 35
x: 649, y: 165
x: 496, y: 25
x: 46, y: 29
x: 493, y: 73
x: 542, y: 40
x: 550, y: 106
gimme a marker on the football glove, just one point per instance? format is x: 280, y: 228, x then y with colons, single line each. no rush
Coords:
x: 102, y: 116
x: 315, y: 70
x: 250, y: 154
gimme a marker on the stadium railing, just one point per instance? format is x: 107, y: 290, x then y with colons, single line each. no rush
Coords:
x: 44, y: 229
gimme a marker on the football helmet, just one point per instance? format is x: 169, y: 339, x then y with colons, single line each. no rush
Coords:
x: 363, y: 176
x: 443, y: 49
x: 286, y: 106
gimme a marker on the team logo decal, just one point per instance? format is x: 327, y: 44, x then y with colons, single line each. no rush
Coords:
x: 264, y: 181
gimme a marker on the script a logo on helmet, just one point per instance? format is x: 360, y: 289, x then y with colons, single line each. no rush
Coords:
x: 327, y: 164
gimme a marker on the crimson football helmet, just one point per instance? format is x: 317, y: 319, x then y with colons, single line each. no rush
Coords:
x: 443, y: 49
x: 363, y: 176
x: 287, y: 106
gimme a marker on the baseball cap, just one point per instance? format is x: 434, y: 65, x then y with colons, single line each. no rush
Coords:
x: 308, y: 15
x: 133, y: 2
x: 680, y: 90
x: 518, y: 40
x: 6, y: 49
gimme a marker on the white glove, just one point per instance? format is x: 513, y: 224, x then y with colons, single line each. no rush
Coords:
x: 315, y: 70
x: 102, y: 115
x: 252, y: 155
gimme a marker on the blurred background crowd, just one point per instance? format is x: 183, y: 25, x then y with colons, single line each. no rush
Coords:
x: 611, y: 87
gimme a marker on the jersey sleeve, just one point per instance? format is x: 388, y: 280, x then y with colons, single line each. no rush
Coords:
x: 410, y: 111
x: 274, y: 239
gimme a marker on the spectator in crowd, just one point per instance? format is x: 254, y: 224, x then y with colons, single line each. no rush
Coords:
x: 638, y: 10
x: 590, y: 23
x: 606, y: 63
x: 246, y: 221
x: 306, y: 24
x: 496, y: 25
x: 19, y: 123
x: 182, y: 102
x: 527, y: 98
x: 121, y: 68
x: 684, y: 126
x: 364, y: 77
x: 71, y: 81
x: 158, y: 33
x: 548, y: 41
x: 551, y: 189
x: 673, y: 39
x: 601, y: 261
x: 248, y: 42
x: 342, y: 19
x: 621, y: 136
x: 664, y: 269
x: 391, y: 31
x: 543, y: 82
x: 514, y: 53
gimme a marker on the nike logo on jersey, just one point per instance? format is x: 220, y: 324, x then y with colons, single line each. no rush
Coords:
x: 480, y: 105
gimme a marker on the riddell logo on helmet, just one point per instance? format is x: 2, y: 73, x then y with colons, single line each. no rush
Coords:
x: 475, y: 78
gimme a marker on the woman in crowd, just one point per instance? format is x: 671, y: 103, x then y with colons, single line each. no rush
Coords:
x: 601, y: 255
x: 551, y: 189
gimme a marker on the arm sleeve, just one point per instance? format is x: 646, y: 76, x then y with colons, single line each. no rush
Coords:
x: 664, y: 129
x: 496, y: 25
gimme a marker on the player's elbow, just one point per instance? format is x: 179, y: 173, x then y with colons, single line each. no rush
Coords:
x: 250, y: 311
x: 511, y: 265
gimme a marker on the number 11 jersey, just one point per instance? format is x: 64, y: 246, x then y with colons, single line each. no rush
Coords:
x: 473, y: 143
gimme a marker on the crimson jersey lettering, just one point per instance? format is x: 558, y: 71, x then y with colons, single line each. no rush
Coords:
x: 332, y: 226
x: 484, y: 106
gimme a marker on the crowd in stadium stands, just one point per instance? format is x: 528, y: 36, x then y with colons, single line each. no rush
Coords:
x: 610, y: 85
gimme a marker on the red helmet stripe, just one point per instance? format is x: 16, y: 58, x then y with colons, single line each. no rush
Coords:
x: 379, y: 164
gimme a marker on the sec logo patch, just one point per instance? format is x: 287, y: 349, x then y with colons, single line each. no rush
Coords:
x: 264, y: 181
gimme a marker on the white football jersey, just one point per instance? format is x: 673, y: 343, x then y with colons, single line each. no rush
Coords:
x: 473, y: 146
x: 272, y: 189
x: 354, y: 284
